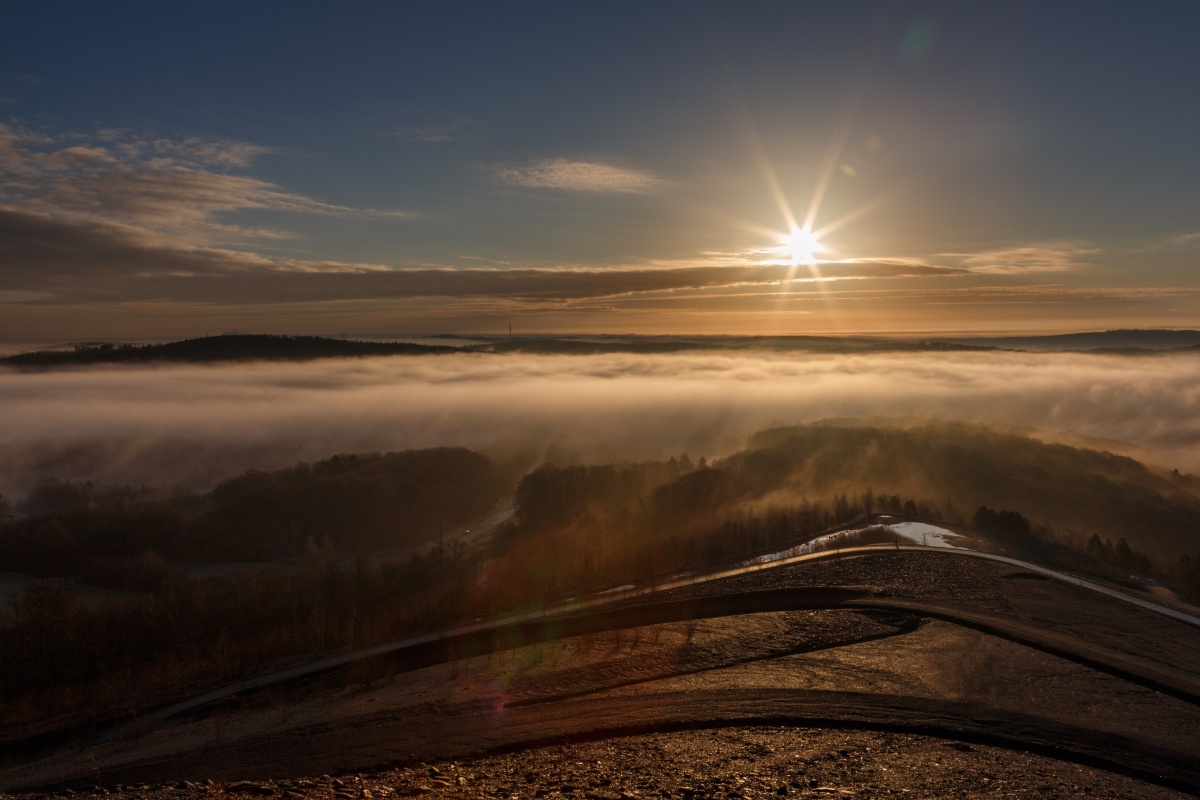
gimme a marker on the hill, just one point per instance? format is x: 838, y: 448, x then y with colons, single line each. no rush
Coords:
x: 661, y: 345
x: 1075, y: 490
x: 227, y: 347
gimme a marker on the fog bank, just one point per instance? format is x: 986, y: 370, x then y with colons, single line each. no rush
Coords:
x: 192, y: 426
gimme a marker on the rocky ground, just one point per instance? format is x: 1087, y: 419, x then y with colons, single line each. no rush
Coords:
x: 734, y: 763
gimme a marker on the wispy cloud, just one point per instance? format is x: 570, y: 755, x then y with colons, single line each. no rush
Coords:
x: 1184, y: 238
x: 164, y: 190
x: 581, y: 176
x: 415, y: 123
x: 88, y: 261
x: 1012, y: 295
x: 1037, y: 257
x: 454, y: 130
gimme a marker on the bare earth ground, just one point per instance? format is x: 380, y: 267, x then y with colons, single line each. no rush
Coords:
x: 839, y: 702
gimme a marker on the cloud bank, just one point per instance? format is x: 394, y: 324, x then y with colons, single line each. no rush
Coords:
x: 196, y: 425
x: 581, y: 176
x: 86, y: 260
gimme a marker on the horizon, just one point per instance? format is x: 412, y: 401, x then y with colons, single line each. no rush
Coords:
x: 14, y: 346
x: 930, y: 335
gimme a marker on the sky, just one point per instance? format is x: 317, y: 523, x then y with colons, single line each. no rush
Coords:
x: 171, y: 170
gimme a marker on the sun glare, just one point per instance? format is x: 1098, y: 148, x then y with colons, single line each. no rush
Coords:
x: 801, y: 245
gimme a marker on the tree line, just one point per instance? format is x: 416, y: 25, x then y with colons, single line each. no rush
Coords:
x: 222, y: 348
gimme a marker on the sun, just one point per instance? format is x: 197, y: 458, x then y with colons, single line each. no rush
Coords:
x: 801, y: 245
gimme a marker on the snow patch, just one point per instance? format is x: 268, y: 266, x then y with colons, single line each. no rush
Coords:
x: 926, y: 534
x: 916, y: 532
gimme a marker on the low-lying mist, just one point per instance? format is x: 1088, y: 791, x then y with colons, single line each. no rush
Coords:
x: 192, y: 426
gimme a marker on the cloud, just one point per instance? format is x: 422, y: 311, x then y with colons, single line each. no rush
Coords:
x: 1046, y: 257
x: 1042, y: 293
x: 414, y: 123
x: 453, y: 130
x: 169, y: 190
x: 40, y: 250
x: 581, y: 176
x: 196, y: 425
x: 85, y: 260
x: 19, y: 296
x: 195, y: 151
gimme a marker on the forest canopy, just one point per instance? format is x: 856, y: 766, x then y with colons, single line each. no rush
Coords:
x: 1077, y: 491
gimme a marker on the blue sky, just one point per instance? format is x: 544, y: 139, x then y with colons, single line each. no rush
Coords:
x: 167, y: 170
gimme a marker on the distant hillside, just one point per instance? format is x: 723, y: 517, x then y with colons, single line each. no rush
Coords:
x: 654, y: 345
x: 589, y: 347
x: 213, y: 349
x: 1132, y: 342
x: 252, y: 347
x: 1118, y: 340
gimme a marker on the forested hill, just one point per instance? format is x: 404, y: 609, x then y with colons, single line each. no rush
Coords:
x: 370, y: 501
x: 229, y: 347
x: 1068, y: 488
